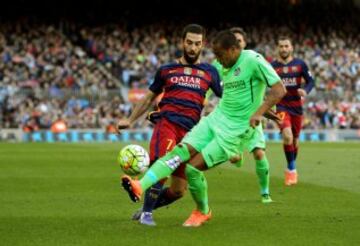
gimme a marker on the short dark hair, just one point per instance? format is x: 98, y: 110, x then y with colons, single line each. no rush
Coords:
x: 226, y: 39
x: 284, y: 37
x: 193, y: 28
x: 240, y: 31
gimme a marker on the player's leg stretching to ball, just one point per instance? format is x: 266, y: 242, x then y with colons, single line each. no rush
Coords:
x: 225, y: 132
x: 165, y: 136
x: 179, y: 110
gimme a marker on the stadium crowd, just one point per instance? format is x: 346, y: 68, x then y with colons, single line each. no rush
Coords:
x: 83, y: 78
x: 40, y: 69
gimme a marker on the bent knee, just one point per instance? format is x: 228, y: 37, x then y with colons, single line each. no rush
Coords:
x: 259, y: 154
x: 288, y: 138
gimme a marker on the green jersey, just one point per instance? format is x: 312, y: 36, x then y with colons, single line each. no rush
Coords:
x: 244, y: 86
x: 217, y: 65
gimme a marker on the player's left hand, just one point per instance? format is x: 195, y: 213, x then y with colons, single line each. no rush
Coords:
x: 302, y: 92
x: 123, y: 124
x: 255, y: 120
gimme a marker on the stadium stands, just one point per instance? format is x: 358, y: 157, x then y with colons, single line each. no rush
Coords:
x: 84, y: 74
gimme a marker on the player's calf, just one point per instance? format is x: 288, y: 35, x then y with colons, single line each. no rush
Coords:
x: 167, y: 196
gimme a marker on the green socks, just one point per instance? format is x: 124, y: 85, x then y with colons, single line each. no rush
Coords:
x: 165, y: 166
x: 262, y: 171
x: 198, y: 188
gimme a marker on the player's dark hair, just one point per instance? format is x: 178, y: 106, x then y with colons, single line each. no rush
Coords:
x: 284, y: 37
x: 226, y: 39
x: 240, y: 31
x: 193, y: 28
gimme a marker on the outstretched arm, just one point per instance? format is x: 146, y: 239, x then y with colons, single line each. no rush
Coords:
x: 139, y: 110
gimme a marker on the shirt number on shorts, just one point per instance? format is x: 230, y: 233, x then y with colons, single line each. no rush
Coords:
x: 170, y: 144
x: 281, y: 115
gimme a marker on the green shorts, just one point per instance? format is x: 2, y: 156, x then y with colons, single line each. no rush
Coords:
x: 217, y: 139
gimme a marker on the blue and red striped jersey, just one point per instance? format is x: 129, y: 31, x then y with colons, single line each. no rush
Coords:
x: 184, y: 88
x: 292, y: 75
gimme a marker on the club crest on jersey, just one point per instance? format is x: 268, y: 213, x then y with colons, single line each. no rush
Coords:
x: 188, y: 71
x: 285, y: 69
x: 200, y: 73
x: 237, y: 71
x: 294, y: 69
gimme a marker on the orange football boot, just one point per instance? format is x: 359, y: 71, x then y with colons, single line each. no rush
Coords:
x: 132, y: 187
x: 197, y: 218
x: 291, y: 178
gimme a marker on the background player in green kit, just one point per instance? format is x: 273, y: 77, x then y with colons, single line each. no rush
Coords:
x: 226, y: 131
x: 257, y: 144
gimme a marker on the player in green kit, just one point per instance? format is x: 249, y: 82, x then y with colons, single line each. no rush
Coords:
x: 226, y: 131
x: 257, y: 145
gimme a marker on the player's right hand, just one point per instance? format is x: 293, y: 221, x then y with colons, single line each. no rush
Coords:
x: 255, y: 120
x: 123, y: 124
x: 302, y: 92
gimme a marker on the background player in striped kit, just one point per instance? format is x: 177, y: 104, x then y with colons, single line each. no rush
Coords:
x: 292, y: 71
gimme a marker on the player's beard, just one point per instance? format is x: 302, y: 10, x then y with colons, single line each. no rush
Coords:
x: 189, y: 59
x: 284, y: 55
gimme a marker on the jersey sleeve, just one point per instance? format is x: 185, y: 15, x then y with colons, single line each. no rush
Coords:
x: 158, y: 83
x: 265, y: 71
x: 309, y: 80
x: 216, y: 83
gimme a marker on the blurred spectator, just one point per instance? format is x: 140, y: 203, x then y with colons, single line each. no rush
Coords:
x: 58, y: 126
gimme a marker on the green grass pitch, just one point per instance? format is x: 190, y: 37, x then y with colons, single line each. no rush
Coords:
x: 69, y: 194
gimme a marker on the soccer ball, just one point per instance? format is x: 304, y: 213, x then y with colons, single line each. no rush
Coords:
x: 133, y: 159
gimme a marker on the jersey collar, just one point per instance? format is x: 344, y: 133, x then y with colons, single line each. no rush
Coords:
x: 286, y: 63
x: 239, y: 60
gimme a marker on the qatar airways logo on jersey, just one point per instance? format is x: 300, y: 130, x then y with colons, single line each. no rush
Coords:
x: 186, y: 81
x: 289, y: 81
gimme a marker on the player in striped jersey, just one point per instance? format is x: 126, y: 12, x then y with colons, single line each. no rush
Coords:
x: 184, y: 84
x: 293, y: 72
